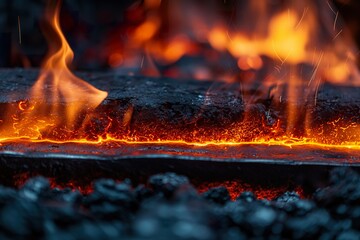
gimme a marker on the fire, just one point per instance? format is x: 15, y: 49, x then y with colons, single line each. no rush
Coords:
x: 283, y: 51
x: 58, y: 97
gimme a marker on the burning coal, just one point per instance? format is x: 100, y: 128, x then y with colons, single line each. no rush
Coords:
x: 275, y: 57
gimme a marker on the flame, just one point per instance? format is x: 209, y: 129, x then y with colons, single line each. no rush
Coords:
x: 283, y: 51
x: 65, y: 87
x: 292, y: 36
x: 296, y: 45
x: 58, y: 96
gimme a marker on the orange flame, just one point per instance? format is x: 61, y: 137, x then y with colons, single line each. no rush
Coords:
x: 294, y: 46
x: 58, y: 96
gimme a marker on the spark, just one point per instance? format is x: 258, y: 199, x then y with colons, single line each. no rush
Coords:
x: 277, y: 55
x: 228, y: 35
x: 142, y: 62
x: 328, y: 3
x: 316, y: 92
x: 302, y: 18
x: 338, y: 34
x: 316, y: 69
x: 336, y: 18
x: 19, y: 29
x: 313, y: 77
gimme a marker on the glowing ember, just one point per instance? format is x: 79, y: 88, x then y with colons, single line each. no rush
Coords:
x: 235, y: 188
x: 284, y: 54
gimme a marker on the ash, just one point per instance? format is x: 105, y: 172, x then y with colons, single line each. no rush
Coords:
x: 169, y: 207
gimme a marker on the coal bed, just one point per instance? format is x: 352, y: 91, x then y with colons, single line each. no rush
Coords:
x: 169, y: 207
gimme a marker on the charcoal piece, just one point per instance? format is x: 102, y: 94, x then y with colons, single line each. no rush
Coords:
x: 312, y: 225
x: 218, y: 195
x: 354, y: 212
x: 179, y: 220
x: 107, y: 211
x: 344, y: 188
x: 254, y: 218
x: 339, y: 175
x: 110, y: 197
x: 260, y: 219
x: 66, y: 195
x: 111, y: 191
x: 142, y: 192
x: 167, y: 183
x: 7, y: 195
x: 296, y: 208
x: 247, y: 197
x: 35, y: 188
x: 186, y: 193
x: 233, y: 233
x: 63, y: 216
x: 288, y: 197
x: 351, y: 234
x: 287, y: 202
x: 236, y: 212
x: 89, y: 230
x: 22, y: 218
x: 111, y: 203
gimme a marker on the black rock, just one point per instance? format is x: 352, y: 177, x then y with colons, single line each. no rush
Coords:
x: 247, y: 197
x: 111, y: 200
x: 218, y: 195
x: 167, y: 183
x: 312, y: 225
x: 7, y: 195
x: 35, y: 188
x: 299, y: 208
x: 89, y: 230
x: 142, y: 192
x: 288, y: 197
x: 171, y: 208
x: 107, y: 190
x: 347, y: 235
x: 344, y: 189
x: 22, y: 218
x: 168, y: 220
x: 66, y: 195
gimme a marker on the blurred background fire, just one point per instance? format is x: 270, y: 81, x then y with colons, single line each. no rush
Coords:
x: 97, y: 30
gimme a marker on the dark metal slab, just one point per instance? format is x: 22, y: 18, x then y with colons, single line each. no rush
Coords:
x: 294, y: 155
x: 256, y: 164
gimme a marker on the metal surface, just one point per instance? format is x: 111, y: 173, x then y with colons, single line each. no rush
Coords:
x: 259, y: 165
x: 295, y: 155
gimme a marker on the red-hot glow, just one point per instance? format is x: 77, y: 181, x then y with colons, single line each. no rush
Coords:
x: 235, y: 188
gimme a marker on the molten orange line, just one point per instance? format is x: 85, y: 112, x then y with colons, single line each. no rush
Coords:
x: 290, y: 142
